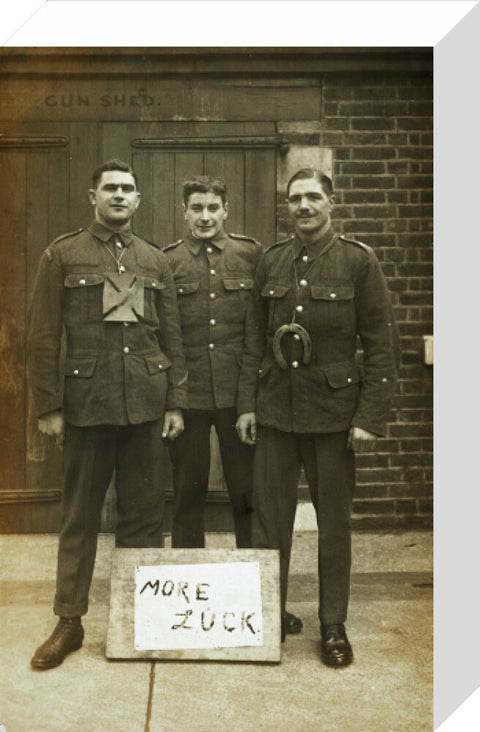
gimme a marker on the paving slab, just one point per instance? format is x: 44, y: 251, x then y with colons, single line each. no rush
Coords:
x: 388, y: 688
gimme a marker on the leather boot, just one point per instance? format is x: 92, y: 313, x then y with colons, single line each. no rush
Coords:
x: 336, y: 651
x: 66, y: 637
x: 293, y: 625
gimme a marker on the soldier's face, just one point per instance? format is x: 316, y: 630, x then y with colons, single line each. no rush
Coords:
x: 115, y: 198
x: 205, y: 214
x: 309, y: 206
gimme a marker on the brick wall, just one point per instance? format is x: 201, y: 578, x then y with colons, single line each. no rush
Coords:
x: 379, y: 126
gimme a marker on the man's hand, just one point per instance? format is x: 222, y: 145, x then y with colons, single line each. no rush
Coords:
x: 53, y: 424
x: 361, y: 440
x: 247, y: 428
x: 172, y: 423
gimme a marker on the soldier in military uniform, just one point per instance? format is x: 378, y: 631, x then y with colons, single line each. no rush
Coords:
x: 213, y: 273
x: 302, y: 397
x: 122, y: 389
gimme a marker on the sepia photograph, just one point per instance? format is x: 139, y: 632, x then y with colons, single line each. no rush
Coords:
x: 216, y: 388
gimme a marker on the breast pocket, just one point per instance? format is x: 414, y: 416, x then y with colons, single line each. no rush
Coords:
x: 83, y: 297
x: 152, y: 286
x: 333, y: 307
x: 276, y: 301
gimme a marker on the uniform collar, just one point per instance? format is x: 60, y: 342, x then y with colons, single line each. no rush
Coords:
x: 103, y: 233
x: 317, y: 247
x: 196, y: 245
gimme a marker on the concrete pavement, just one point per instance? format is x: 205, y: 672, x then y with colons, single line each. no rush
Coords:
x: 388, y: 688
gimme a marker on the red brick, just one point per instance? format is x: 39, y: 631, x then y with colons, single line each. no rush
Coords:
x: 363, y: 167
x: 414, y: 123
x: 362, y: 226
x: 372, y: 123
x: 379, y: 506
x: 405, y: 505
x: 365, y: 181
x: 364, y: 196
x: 336, y: 123
x: 379, y: 152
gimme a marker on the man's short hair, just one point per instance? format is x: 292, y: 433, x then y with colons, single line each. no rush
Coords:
x: 204, y: 184
x: 114, y: 164
x: 319, y: 175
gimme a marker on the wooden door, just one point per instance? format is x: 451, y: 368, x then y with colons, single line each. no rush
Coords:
x: 163, y: 155
x: 43, y: 194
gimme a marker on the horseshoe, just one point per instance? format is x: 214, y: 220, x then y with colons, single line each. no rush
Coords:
x: 277, y: 345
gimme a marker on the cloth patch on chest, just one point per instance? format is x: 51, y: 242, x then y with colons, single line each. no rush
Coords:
x: 122, y: 297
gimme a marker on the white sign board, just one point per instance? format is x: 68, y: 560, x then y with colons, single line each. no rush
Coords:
x: 180, y: 606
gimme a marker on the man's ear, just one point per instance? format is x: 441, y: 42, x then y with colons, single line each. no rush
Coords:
x: 331, y: 200
x: 184, y: 211
x: 139, y: 195
x: 226, y: 209
x: 92, y: 196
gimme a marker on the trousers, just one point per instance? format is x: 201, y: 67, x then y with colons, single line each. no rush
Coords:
x: 329, y: 467
x: 91, y: 456
x: 190, y: 454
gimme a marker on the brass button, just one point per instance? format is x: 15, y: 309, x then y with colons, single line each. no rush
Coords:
x: 384, y: 379
x: 213, y: 321
x: 154, y: 284
x: 271, y: 292
x: 126, y: 325
x: 295, y: 364
x: 160, y: 366
x: 296, y: 337
x: 122, y: 269
x: 118, y: 244
x: 305, y: 258
x: 303, y: 283
x: 76, y: 372
x: 180, y: 289
x: 211, y: 346
x: 212, y: 296
x: 349, y: 380
x: 333, y: 295
x: 299, y: 308
x: 209, y: 250
x: 126, y: 349
x: 242, y: 284
x: 212, y: 272
x: 83, y: 282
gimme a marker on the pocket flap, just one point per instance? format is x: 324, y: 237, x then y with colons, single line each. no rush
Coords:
x: 186, y: 288
x: 275, y: 290
x: 152, y: 283
x: 342, y: 374
x: 332, y: 292
x: 80, y: 366
x: 237, y: 283
x: 83, y: 280
x: 157, y: 363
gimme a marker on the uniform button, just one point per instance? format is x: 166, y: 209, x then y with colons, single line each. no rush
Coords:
x: 384, y: 379
x: 212, y: 272
x: 122, y: 269
x: 304, y: 258
x: 349, y: 380
x: 303, y: 283
x: 160, y: 366
x: 154, y: 284
x: 212, y: 296
x: 242, y: 284
x: 333, y: 295
x: 83, y: 282
x: 260, y: 371
x: 118, y: 244
x: 126, y: 325
x: 180, y: 289
x: 213, y: 321
x: 126, y: 349
x: 76, y: 372
x: 295, y: 364
x: 211, y: 346
x: 299, y: 308
x: 271, y: 292
x: 296, y: 337
x: 209, y: 250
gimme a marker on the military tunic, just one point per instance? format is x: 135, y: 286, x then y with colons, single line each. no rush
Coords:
x: 213, y: 280
x: 307, y: 395
x: 119, y: 377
